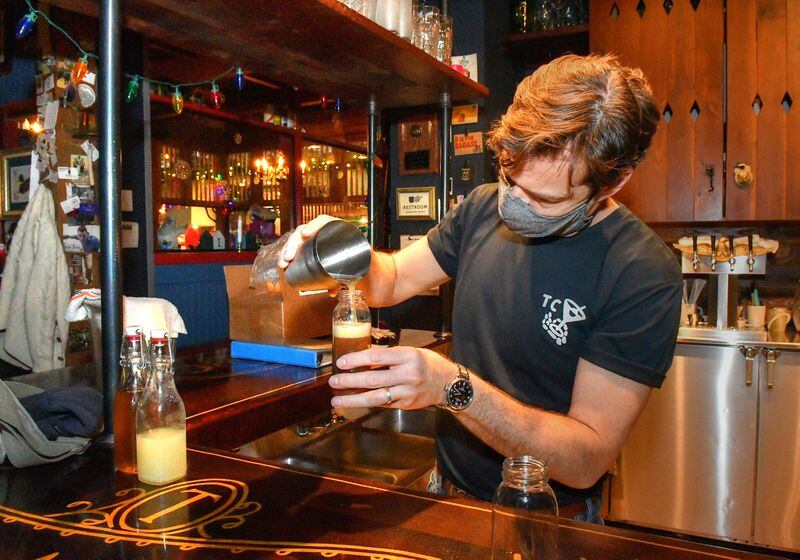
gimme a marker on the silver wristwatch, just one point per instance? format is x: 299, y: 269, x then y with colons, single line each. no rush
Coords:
x: 458, y: 393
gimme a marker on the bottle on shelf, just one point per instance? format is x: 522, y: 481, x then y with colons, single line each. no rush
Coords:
x: 133, y: 362
x: 524, y: 512
x: 160, y: 420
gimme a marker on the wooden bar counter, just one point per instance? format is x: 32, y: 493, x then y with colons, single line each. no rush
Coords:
x: 231, y: 506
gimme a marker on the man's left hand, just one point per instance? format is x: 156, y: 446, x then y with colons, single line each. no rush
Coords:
x: 415, y: 378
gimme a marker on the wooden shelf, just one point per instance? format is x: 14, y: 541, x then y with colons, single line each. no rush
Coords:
x: 573, y: 31
x: 320, y: 46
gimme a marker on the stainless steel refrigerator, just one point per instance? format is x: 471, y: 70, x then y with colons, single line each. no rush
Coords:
x: 716, y: 451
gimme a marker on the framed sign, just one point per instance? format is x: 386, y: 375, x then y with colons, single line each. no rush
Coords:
x: 416, y: 203
x: 15, y: 182
x: 418, y: 145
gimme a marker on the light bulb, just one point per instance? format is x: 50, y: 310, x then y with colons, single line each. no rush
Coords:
x: 80, y: 69
x: 177, y: 101
x: 36, y: 128
x: 216, y: 96
x: 25, y: 25
x: 239, y: 80
x: 133, y: 89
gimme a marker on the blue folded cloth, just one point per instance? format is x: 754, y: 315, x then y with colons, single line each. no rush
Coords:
x: 74, y: 411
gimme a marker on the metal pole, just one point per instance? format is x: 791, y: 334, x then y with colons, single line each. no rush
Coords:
x: 109, y: 185
x: 445, y: 290
x: 371, y: 187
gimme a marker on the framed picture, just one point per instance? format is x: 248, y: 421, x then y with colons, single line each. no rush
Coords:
x: 416, y: 203
x: 15, y: 181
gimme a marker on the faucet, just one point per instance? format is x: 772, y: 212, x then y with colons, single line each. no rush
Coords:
x: 695, y: 258
x: 731, y: 257
x: 326, y: 422
x: 750, y: 260
x: 713, y: 253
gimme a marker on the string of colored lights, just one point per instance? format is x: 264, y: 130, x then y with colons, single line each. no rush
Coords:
x: 81, y: 68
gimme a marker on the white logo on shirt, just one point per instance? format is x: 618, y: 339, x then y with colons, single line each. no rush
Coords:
x: 558, y: 328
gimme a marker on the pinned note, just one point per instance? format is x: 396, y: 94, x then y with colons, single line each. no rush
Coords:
x: 90, y: 150
x: 71, y: 204
x: 50, y: 115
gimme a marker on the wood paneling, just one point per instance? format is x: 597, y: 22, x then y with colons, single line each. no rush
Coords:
x: 708, y: 76
x: 680, y: 52
x: 680, y: 129
x: 658, y: 68
x: 764, y: 61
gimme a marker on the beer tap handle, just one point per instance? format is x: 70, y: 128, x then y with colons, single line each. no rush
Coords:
x: 731, y: 257
x: 695, y: 258
x: 750, y: 260
x: 713, y: 253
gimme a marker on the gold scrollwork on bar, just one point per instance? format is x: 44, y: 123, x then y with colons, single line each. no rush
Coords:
x: 162, y: 517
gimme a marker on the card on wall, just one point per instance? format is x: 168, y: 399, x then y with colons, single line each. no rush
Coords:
x: 470, y: 143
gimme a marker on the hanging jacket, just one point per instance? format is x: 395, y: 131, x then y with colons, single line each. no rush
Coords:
x: 35, y: 290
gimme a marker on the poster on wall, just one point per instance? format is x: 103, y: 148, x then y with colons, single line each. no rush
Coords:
x: 466, y: 144
x: 465, y: 114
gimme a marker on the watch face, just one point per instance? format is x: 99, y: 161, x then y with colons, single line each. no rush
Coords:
x: 460, y: 394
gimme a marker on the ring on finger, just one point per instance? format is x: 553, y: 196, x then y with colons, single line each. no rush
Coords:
x: 388, y: 392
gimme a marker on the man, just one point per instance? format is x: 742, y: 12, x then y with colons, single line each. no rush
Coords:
x: 566, y: 305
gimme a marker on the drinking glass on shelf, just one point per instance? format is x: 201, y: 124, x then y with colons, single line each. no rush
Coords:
x: 387, y: 14
x: 426, y: 31
x: 545, y: 16
x: 568, y: 13
x: 444, y: 46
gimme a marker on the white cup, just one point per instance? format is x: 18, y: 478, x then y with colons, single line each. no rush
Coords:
x: 756, y: 315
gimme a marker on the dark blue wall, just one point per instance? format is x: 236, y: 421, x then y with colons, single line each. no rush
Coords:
x: 198, y: 291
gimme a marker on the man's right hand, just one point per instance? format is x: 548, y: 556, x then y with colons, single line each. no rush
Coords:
x: 299, y: 236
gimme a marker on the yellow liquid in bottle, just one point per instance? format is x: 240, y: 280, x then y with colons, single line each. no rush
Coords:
x: 161, y: 455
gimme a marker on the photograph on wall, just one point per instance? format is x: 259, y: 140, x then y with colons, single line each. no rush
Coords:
x: 82, y: 238
x: 84, y: 192
x: 416, y: 203
x: 80, y: 271
x: 15, y: 183
x: 83, y: 169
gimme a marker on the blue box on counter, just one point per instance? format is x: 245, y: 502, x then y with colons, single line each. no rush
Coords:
x: 312, y: 355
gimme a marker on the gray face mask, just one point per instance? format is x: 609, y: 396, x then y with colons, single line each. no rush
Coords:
x: 527, y: 222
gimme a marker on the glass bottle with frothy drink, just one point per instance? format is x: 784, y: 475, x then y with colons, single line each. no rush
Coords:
x: 160, y: 420
x: 352, y: 325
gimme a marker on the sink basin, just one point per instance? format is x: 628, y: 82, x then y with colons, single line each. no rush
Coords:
x: 392, y: 446
x: 413, y: 422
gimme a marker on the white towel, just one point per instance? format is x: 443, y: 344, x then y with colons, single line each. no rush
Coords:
x: 149, y: 313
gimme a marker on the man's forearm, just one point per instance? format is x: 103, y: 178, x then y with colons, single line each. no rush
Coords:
x: 573, y: 450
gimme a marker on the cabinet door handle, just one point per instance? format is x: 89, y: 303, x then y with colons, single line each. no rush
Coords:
x: 772, y: 356
x: 750, y: 354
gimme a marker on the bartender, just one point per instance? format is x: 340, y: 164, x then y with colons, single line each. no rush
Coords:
x: 566, y: 305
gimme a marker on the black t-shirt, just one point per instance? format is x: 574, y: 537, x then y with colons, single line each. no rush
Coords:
x: 525, y: 310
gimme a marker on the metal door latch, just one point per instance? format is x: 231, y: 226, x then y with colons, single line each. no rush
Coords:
x: 771, y: 355
x: 750, y: 354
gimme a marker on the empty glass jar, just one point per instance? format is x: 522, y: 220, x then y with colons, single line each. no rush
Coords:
x: 524, y: 512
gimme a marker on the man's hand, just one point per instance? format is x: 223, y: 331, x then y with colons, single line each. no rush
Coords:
x: 415, y: 377
x: 299, y: 236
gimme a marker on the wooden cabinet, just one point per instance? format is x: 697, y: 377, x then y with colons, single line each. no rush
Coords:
x: 680, y: 46
x: 763, y: 120
x: 680, y: 50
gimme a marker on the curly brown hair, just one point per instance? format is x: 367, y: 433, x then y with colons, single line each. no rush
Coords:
x: 600, y: 113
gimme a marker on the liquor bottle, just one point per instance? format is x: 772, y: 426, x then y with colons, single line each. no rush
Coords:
x: 133, y: 361
x: 160, y: 420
